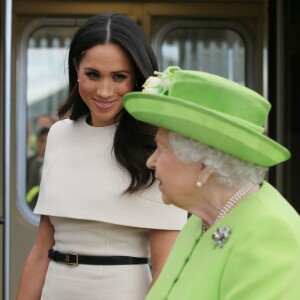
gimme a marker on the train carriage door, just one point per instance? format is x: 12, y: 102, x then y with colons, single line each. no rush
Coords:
x: 223, y: 37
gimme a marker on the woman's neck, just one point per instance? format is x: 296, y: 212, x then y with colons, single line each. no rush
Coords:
x: 218, y: 201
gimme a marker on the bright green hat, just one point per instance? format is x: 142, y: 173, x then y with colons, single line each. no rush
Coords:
x: 211, y: 109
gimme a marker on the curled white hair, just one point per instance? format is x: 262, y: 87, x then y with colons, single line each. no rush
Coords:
x: 229, y: 170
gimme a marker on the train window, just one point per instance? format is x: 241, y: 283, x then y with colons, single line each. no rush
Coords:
x: 43, y: 82
x: 211, y: 46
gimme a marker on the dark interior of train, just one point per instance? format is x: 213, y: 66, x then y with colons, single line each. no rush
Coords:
x: 283, y: 84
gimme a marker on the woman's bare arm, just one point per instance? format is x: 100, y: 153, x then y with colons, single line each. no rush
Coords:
x: 36, y: 264
x: 161, y: 243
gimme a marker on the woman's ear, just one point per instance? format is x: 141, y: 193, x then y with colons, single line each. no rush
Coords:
x: 204, y: 173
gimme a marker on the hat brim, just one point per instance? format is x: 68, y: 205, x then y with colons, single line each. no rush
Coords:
x: 207, y: 126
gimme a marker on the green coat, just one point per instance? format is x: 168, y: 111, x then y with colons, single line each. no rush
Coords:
x: 259, y: 261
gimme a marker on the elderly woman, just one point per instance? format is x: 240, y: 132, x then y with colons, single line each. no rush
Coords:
x: 243, y: 238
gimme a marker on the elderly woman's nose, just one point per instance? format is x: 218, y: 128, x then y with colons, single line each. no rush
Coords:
x: 151, y: 162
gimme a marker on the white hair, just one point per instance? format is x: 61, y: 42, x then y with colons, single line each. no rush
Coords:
x: 230, y: 171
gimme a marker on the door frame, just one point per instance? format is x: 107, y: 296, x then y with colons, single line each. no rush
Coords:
x: 6, y: 188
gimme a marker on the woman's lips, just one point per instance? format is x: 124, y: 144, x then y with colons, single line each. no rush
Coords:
x: 104, y: 104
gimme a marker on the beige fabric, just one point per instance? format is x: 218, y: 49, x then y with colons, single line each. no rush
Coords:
x: 82, y: 180
x: 85, y: 282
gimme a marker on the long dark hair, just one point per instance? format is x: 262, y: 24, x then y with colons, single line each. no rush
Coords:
x: 134, y: 140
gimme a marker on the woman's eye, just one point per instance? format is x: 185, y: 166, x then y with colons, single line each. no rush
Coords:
x: 119, y: 77
x: 93, y: 75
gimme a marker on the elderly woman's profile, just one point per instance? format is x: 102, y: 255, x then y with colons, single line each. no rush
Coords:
x: 242, y: 241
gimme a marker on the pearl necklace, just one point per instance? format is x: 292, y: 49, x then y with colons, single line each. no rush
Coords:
x: 232, y: 201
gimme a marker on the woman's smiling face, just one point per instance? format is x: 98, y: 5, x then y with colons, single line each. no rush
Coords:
x: 105, y: 75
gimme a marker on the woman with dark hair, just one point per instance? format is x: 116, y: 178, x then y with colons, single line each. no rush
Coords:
x: 102, y: 215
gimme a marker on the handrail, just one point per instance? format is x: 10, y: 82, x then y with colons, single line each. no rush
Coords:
x: 7, y: 146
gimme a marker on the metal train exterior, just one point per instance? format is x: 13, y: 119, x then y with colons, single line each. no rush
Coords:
x: 256, y: 43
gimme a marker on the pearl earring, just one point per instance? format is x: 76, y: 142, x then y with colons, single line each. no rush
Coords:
x: 198, y: 184
x: 78, y: 80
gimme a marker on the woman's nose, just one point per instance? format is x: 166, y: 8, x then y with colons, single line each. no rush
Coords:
x: 151, y: 161
x: 105, y: 89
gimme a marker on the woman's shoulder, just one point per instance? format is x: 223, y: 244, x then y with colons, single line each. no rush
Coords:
x: 61, y: 124
x: 61, y: 132
x: 65, y: 125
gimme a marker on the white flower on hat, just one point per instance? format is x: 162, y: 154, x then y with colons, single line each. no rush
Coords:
x: 160, y: 83
x: 152, y: 84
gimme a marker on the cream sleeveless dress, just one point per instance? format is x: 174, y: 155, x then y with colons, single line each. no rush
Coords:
x: 81, y: 191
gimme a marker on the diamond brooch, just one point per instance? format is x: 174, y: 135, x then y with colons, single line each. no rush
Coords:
x: 220, y: 236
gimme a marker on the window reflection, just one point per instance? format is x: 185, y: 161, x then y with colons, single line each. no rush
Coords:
x: 35, y: 165
x: 47, y: 49
x: 218, y: 51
